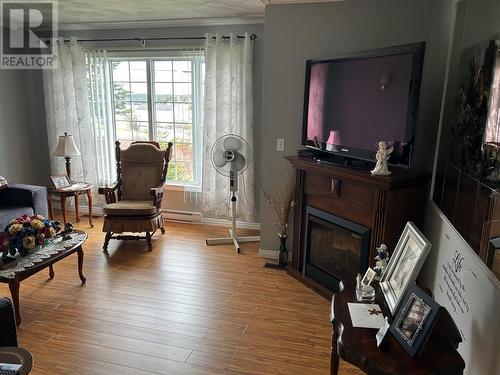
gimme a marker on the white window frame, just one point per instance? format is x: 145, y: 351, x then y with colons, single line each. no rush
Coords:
x: 197, y: 105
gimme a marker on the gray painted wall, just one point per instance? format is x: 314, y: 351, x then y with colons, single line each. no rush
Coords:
x: 23, y: 139
x: 178, y: 200
x: 294, y: 33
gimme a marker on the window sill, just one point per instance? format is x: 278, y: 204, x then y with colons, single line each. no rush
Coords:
x: 175, y: 187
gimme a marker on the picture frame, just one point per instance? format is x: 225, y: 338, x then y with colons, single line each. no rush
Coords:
x: 415, y: 320
x: 60, y: 182
x: 368, y: 277
x: 404, y: 266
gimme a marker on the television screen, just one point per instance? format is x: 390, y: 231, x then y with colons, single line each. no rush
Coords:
x: 353, y: 103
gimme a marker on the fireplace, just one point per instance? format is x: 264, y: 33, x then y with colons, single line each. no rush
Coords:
x: 335, y: 248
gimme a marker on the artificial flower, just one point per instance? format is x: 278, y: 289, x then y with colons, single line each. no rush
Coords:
x: 29, y: 242
x: 40, y: 217
x: 14, y: 228
x: 4, y: 241
x: 40, y: 239
x: 37, y: 224
x: 51, y: 232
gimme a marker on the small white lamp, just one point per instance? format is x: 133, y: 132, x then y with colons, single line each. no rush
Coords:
x: 67, y: 148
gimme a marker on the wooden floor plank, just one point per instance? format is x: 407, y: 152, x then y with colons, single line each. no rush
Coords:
x: 184, y: 308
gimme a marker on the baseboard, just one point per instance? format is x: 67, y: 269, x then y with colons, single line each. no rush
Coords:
x: 272, y: 254
x: 269, y: 254
x: 181, y: 216
x: 227, y: 223
x: 84, y: 210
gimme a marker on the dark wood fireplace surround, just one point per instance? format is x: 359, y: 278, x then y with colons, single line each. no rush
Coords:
x: 383, y: 204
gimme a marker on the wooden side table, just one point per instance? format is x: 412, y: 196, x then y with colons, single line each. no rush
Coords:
x: 358, y: 345
x: 17, y: 356
x: 74, y: 190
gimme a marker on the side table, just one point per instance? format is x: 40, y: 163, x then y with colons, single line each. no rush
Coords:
x: 358, y: 345
x: 72, y: 191
x: 17, y: 356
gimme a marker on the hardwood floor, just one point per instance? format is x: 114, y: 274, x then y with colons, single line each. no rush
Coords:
x: 184, y: 308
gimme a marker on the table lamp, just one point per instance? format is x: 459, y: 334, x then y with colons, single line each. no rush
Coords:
x: 333, y: 140
x: 67, y: 148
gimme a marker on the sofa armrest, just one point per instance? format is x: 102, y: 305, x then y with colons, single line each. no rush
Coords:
x: 20, y: 195
x: 8, y: 336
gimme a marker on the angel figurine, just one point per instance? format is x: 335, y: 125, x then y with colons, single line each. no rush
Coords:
x: 382, y: 259
x: 382, y: 155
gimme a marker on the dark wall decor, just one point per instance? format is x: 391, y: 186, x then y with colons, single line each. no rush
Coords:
x: 464, y: 189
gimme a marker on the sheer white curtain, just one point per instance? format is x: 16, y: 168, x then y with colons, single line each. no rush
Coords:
x: 67, y: 110
x: 81, y: 74
x: 228, y: 108
x: 99, y: 87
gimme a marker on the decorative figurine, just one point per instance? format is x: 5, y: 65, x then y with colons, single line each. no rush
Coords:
x: 382, y: 155
x: 382, y: 259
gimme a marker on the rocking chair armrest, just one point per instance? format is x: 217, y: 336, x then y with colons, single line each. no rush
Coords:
x: 109, y: 192
x: 158, y: 189
x: 157, y: 194
x: 108, y: 189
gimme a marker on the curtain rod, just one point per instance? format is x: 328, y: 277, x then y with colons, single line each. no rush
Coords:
x: 144, y: 39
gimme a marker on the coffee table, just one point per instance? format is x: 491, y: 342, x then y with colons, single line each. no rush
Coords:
x: 17, y: 356
x: 21, y: 268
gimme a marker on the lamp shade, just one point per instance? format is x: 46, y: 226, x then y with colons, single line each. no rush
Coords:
x: 66, y: 146
x: 334, y: 138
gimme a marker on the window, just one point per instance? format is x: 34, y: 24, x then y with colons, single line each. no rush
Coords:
x: 160, y: 99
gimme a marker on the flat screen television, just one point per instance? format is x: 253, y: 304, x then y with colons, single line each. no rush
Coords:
x: 352, y: 103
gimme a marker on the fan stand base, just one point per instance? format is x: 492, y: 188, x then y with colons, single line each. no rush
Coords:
x: 232, y: 239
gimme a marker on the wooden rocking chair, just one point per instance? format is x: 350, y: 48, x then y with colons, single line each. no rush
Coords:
x: 133, y: 203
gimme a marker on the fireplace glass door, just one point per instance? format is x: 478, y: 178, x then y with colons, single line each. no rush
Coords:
x: 336, y: 249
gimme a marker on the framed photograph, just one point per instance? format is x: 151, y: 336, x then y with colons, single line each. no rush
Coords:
x: 415, y: 320
x: 369, y: 276
x: 404, y: 265
x: 60, y: 182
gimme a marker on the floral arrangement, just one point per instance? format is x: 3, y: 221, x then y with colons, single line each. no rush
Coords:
x: 25, y: 233
x: 282, y: 202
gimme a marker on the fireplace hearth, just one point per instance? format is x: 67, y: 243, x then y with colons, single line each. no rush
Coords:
x: 335, y: 248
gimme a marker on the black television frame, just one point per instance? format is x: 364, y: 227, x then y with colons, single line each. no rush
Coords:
x: 349, y: 153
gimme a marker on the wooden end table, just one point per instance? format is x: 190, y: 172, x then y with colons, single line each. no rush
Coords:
x: 13, y: 272
x: 358, y: 345
x: 17, y: 356
x: 74, y: 190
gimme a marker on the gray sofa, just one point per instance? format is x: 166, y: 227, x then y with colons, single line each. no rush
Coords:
x: 18, y: 199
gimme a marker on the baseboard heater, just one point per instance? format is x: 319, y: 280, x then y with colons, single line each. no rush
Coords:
x: 182, y: 216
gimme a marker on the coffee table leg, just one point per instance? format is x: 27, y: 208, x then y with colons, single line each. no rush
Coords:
x: 80, y: 264
x: 51, y: 272
x: 14, y: 292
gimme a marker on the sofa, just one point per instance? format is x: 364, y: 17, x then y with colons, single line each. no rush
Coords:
x: 8, y: 331
x: 18, y: 200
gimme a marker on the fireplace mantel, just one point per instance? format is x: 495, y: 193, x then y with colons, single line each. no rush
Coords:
x: 383, y: 204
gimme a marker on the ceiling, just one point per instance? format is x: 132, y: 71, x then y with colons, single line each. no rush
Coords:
x: 75, y: 14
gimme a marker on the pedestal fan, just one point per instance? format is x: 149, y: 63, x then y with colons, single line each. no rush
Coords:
x: 230, y: 157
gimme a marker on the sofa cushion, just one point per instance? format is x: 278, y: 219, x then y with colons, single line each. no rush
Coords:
x: 9, y: 213
x: 129, y: 208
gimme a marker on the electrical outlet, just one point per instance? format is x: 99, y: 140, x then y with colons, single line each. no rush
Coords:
x: 280, y: 144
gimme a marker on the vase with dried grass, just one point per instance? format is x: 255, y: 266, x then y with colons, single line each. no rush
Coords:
x: 282, y: 202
